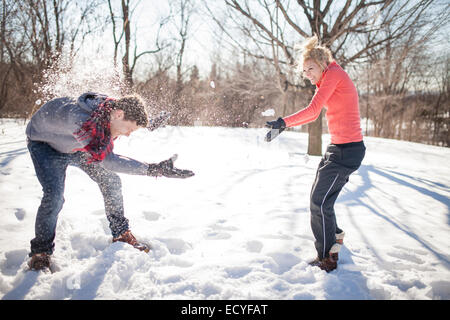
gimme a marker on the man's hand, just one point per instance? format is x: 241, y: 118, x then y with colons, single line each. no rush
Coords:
x: 166, y: 169
x: 276, y: 127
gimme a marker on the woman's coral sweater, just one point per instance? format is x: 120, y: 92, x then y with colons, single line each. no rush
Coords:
x: 335, y: 91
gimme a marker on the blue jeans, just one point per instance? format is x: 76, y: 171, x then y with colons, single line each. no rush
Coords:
x: 50, y: 166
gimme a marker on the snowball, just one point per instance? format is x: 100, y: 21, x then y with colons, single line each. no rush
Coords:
x: 268, y: 113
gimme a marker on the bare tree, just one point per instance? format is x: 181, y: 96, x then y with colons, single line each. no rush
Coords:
x: 128, y: 62
x: 52, y: 26
x: 34, y: 35
x: 272, y: 29
x: 3, y: 30
x: 393, y: 71
x: 181, y: 12
x: 116, y: 38
x: 184, y: 10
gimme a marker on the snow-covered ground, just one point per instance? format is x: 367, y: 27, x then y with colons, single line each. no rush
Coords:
x: 240, y: 228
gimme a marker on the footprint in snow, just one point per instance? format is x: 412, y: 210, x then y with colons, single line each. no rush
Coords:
x: 254, y: 246
x: 216, y: 235
x: 20, y: 214
x: 402, y: 255
x: 100, y: 212
x: 237, y: 272
x: 278, y: 236
x: 405, y: 285
x: 151, y: 216
x: 13, y: 261
x: 175, y: 246
x: 281, y: 262
x: 172, y: 279
x: 220, y: 225
x: 412, y: 250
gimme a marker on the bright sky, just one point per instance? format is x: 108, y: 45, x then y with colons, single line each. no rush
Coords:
x: 201, y: 47
x: 145, y: 23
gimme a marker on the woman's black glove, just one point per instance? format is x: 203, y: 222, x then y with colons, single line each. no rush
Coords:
x: 165, y: 168
x: 276, y: 127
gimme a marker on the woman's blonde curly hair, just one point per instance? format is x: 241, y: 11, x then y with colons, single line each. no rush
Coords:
x: 312, y: 50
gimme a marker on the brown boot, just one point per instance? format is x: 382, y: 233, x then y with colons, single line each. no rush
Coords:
x: 128, y: 237
x: 329, y: 263
x: 315, y: 262
x: 39, y: 261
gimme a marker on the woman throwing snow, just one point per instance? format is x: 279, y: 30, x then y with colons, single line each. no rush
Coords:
x: 335, y: 91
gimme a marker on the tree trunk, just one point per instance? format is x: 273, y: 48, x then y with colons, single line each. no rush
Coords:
x: 125, y: 59
x: 315, y: 137
x: 3, y: 30
x: 179, y: 83
x: 315, y: 131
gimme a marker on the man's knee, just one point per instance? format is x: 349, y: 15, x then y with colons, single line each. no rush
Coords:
x: 110, y: 180
x: 53, y: 199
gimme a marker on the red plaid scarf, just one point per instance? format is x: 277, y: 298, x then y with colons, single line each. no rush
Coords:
x: 98, y: 128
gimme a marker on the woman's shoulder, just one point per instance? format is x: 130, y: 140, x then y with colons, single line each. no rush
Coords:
x: 335, y: 71
x: 335, y: 68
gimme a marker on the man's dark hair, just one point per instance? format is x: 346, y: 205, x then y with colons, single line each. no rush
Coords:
x: 134, y: 109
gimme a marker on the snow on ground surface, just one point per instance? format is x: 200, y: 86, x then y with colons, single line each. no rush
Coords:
x: 240, y: 228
